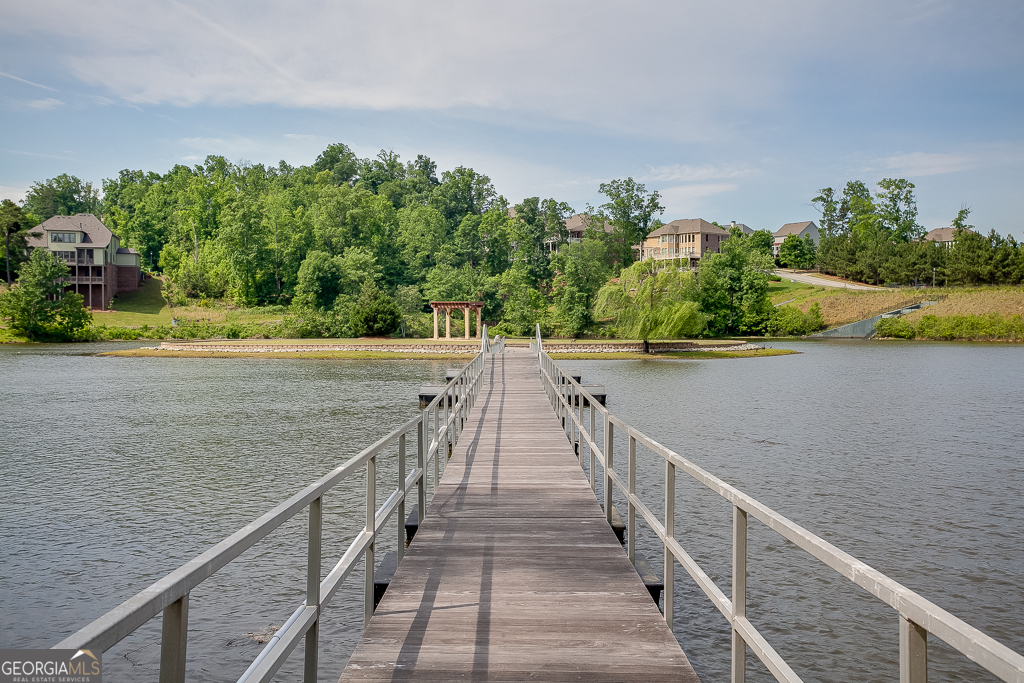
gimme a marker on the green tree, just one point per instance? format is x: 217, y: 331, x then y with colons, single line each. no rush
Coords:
x: 970, y: 256
x: 319, y: 281
x: 64, y: 195
x: 14, y: 224
x: 631, y: 210
x: 339, y: 162
x: 897, y: 208
x: 793, y: 252
x: 734, y: 289
x: 580, y: 271
x: 761, y: 241
x: 374, y: 314
x: 650, y: 301
x: 38, y: 307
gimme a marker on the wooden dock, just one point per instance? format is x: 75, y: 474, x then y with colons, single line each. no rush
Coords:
x: 514, y: 574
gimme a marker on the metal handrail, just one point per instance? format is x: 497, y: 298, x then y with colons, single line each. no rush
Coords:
x: 918, y: 616
x: 443, y: 417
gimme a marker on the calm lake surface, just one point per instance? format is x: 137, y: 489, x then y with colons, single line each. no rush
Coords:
x: 115, y: 471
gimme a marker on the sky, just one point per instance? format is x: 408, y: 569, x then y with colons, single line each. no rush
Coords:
x: 733, y: 110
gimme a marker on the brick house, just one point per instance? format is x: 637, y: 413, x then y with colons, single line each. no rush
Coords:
x: 686, y: 238
x: 100, y: 267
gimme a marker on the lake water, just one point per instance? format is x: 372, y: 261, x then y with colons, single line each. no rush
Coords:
x: 114, y: 471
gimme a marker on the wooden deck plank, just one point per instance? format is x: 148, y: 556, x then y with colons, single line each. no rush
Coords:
x: 514, y: 575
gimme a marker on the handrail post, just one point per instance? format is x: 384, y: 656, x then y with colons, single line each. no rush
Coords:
x: 670, y: 532
x: 174, y: 641
x: 593, y: 456
x: 401, y: 501
x: 739, y: 592
x: 609, y: 438
x: 438, y: 412
x: 631, y: 517
x: 421, y: 463
x: 371, y: 524
x: 913, y: 652
x: 313, y: 559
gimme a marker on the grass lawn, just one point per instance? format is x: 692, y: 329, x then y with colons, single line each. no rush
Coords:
x: 776, y: 290
x: 142, y: 307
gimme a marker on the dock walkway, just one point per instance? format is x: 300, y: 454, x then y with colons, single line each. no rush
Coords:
x: 514, y: 574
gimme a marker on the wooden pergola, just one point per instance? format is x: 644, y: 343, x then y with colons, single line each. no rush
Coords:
x: 448, y: 307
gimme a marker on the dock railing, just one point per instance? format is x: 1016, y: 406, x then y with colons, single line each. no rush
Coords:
x: 917, y: 616
x: 435, y: 429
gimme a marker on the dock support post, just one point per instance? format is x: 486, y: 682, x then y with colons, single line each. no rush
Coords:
x: 913, y: 652
x: 670, y: 532
x: 631, y: 516
x: 371, y: 524
x: 421, y: 463
x: 313, y: 557
x: 739, y: 592
x: 609, y: 437
x: 174, y: 641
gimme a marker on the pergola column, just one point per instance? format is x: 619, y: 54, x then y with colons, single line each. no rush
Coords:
x: 465, y: 314
x: 435, y: 324
x: 479, y: 318
x: 447, y: 323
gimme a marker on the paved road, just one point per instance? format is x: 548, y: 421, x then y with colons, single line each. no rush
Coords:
x: 809, y: 279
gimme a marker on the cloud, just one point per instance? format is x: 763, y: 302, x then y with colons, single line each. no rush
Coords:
x: 683, y: 199
x: 48, y: 103
x: 684, y: 173
x: 229, y: 146
x: 40, y: 154
x: 925, y: 164
x: 15, y: 193
x: 22, y: 80
x: 676, y: 67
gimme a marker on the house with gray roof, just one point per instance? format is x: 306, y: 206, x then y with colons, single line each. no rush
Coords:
x: 798, y: 229
x: 100, y: 268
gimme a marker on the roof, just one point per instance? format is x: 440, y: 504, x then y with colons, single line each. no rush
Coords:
x: 126, y: 250
x: 576, y: 223
x: 96, y: 234
x: 687, y: 226
x: 747, y: 230
x: 943, y: 234
x: 794, y: 228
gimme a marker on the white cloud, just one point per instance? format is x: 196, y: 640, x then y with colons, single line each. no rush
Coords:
x: 925, y: 164
x: 684, y: 199
x: 685, y: 173
x: 33, y: 83
x: 48, y: 103
x: 230, y: 146
x: 14, y: 193
x: 663, y: 68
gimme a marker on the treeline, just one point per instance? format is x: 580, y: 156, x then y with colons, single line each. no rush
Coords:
x: 320, y: 238
x: 877, y: 239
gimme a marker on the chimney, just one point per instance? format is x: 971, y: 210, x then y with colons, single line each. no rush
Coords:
x: 734, y: 224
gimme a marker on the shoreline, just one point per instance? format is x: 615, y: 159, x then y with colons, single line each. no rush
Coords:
x: 427, y: 351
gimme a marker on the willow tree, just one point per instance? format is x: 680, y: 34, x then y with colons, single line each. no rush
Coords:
x: 650, y: 301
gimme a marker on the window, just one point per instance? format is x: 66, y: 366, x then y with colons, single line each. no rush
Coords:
x: 68, y: 237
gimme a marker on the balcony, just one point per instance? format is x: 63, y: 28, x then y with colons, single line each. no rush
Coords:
x: 83, y: 280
